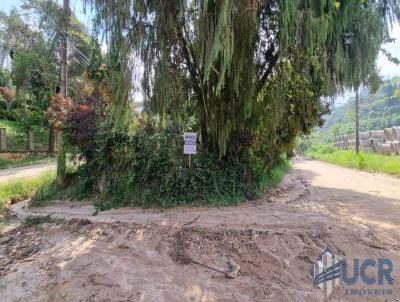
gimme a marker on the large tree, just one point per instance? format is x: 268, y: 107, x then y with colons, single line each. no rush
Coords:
x: 227, y: 60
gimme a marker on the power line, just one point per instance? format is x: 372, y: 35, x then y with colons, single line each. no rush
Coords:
x: 77, y: 53
x: 82, y: 63
x: 79, y: 63
x: 80, y: 53
x: 75, y: 49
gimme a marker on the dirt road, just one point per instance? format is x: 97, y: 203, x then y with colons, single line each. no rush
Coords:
x: 183, y: 254
x: 25, y: 171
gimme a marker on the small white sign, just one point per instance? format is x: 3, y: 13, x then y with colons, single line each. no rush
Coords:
x: 190, y: 142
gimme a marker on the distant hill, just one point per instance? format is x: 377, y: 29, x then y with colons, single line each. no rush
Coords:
x: 377, y: 111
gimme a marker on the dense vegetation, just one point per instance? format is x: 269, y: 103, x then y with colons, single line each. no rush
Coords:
x: 377, y: 111
x: 147, y: 168
x: 31, y: 47
x: 247, y: 76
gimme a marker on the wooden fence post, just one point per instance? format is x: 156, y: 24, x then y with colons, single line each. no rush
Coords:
x: 3, y: 139
x: 30, y: 146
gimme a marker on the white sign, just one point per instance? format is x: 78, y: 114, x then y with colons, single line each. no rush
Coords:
x: 190, y: 143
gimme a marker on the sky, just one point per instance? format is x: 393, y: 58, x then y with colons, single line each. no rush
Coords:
x: 76, y: 7
x: 386, y: 69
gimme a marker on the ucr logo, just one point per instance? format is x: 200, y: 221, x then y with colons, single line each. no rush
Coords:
x: 327, y: 271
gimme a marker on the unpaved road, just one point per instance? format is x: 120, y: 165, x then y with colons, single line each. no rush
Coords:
x: 171, y: 255
x: 25, y: 171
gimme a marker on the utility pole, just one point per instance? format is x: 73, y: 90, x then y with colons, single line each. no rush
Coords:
x: 64, y: 51
x: 61, y: 160
x: 357, y: 123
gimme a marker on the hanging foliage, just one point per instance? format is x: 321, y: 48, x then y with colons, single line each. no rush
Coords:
x: 213, y: 58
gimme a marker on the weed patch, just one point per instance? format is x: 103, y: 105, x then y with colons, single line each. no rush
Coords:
x: 371, y: 162
x: 21, y: 189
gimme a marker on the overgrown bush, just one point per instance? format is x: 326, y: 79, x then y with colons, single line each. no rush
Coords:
x: 148, y: 168
x: 23, y: 116
x: 10, y: 115
x: 82, y: 128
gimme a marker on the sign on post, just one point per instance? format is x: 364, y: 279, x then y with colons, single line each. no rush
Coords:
x: 189, y: 143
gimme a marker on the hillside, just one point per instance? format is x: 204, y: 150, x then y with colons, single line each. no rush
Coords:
x: 377, y: 111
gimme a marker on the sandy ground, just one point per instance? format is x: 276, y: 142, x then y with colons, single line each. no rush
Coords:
x: 191, y: 254
x: 25, y: 171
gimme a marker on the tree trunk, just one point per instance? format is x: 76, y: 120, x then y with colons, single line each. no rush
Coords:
x: 3, y: 139
x: 52, y: 141
x: 17, y: 93
x: 61, y: 160
x: 357, y: 123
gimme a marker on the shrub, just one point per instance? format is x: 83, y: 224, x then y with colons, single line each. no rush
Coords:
x: 7, y: 93
x: 148, y: 168
x: 82, y: 128
x: 327, y: 149
x: 361, y: 161
x: 59, y: 110
x: 10, y: 115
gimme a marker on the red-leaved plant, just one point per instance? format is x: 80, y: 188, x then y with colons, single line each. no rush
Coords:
x: 59, y: 111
